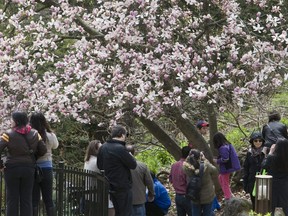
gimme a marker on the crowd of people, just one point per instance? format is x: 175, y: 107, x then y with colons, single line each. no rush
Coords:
x: 133, y: 189
x: 269, y: 149
x: 135, y: 192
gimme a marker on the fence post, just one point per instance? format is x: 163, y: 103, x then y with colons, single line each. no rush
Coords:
x: 2, y: 190
x: 60, y: 189
x: 105, y: 192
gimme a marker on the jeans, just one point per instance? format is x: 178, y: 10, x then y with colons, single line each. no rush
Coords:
x: 19, y: 182
x: 202, y: 209
x: 183, y: 205
x: 45, y: 186
x: 139, y: 210
x: 122, y: 201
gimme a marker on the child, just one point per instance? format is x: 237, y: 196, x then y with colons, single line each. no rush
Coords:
x: 227, y: 160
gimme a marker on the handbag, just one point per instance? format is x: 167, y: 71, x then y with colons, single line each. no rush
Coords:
x: 38, y: 170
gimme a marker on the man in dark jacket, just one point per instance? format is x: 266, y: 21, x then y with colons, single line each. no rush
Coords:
x: 274, y: 129
x: 116, y: 162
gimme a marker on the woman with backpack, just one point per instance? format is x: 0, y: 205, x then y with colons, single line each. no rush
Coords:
x: 197, y: 165
x: 227, y: 160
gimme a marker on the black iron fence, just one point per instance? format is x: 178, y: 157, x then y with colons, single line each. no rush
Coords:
x: 76, y: 192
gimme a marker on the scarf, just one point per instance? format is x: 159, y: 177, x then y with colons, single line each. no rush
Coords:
x: 256, y: 151
x: 23, y: 130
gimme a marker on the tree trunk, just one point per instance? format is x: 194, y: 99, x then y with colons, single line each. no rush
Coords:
x: 212, y: 118
x: 212, y: 127
x: 192, y: 134
x: 170, y: 144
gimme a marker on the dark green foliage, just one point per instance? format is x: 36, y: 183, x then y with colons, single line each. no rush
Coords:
x: 73, y: 139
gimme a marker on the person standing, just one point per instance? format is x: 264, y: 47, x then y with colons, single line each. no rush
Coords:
x: 141, y: 180
x: 116, y: 162
x: 274, y: 129
x: 91, y: 165
x: 39, y: 123
x: 91, y: 156
x: 21, y: 141
x: 276, y: 165
x: 178, y: 179
x: 228, y: 162
x: 252, y: 163
x: 207, y: 193
x: 202, y: 127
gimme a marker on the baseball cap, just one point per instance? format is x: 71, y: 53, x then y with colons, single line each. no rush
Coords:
x: 202, y: 123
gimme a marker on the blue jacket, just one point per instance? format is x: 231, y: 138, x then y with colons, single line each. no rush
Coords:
x: 161, y: 199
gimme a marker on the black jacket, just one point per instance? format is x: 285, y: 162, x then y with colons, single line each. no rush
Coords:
x: 279, y: 184
x: 273, y: 132
x: 251, y: 166
x: 18, y: 150
x: 116, y: 162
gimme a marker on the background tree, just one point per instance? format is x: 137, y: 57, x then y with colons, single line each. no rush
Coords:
x: 96, y: 61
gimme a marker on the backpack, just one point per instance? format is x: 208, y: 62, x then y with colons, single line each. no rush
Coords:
x: 194, y: 185
x: 228, y: 164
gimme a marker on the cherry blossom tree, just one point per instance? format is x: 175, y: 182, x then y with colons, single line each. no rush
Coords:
x: 100, y: 59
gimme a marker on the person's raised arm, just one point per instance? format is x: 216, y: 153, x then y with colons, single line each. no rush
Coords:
x: 127, y: 158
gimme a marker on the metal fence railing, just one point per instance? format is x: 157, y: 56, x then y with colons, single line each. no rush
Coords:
x: 76, y: 192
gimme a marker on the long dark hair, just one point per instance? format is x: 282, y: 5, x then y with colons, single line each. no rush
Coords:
x: 219, y: 139
x: 92, y: 149
x: 20, y: 118
x: 38, y: 122
x: 280, y: 155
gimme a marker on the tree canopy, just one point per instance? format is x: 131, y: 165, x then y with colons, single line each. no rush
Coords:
x: 97, y: 60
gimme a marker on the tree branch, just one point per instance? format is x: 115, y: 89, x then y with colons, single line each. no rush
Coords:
x: 170, y: 144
